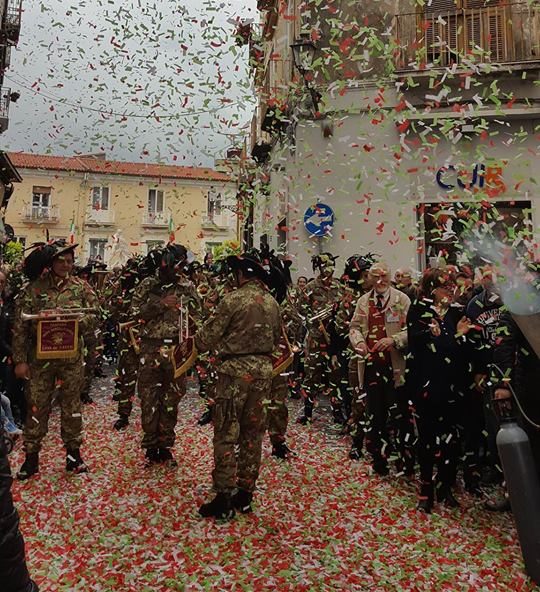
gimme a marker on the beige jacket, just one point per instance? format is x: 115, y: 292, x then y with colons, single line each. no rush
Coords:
x: 395, y: 321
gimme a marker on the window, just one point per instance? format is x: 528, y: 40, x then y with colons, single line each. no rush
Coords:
x: 213, y: 206
x: 155, y: 201
x: 100, y: 198
x: 41, y: 201
x: 154, y: 244
x: 454, y: 28
x: 445, y: 223
x: 282, y: 236
x: 20, y: 239
x: 209, y: 247
x: 97, y: 248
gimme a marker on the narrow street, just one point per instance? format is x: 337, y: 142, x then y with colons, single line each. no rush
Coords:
x: 321, y: 522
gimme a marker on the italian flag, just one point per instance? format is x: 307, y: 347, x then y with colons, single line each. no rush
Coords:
x: 171, y: 229
x: 72, y: 232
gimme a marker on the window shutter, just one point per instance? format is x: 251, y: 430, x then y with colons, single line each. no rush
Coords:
x: 159, y: 201
x: 437, y: 7
x: 104, y: 198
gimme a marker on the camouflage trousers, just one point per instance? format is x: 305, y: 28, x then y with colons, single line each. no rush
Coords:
x: 278, y: 412
x: 319, y: 376
x: 160, y: 394
x: 126, y: 377
x: 239, y: 417
x: 47, y: 377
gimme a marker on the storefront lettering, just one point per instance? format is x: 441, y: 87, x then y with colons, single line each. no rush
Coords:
x: 448, y: 176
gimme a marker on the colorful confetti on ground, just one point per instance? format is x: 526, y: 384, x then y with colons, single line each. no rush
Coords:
x: 321, y: 522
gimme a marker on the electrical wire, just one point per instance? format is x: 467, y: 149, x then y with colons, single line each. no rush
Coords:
x: 58, y: 100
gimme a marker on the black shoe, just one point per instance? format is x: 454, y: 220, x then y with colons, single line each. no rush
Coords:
x: 303, y: 420
x: 281, y: 450
x: 241, y: 501
x: 339, y: 418
x: 121, y: 423
x: 152, y: 456
x: 165, y: 456
x: 474, y: 489
x: 74, y: 462
x: 205, y: 418
x: 86, y: 399
x: 381, y: 468
x: 425, y: 506
x: 355, y: 453
x: 29, y: 467
x: 425, y: 498
x: 220, y: 507
x: 498, y: 505
x: 446, y: 497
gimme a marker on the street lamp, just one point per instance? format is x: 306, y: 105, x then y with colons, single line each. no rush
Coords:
x: 303, y: 50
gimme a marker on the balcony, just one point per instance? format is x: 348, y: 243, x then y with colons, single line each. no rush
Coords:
x: 41, y: 214
x: 5, y: 94
x: 12, y: 21
x: 215, y: 222
x: 266, y: 4
x: 505, y: 34
x: 155, y: 219
x: 99, y: 217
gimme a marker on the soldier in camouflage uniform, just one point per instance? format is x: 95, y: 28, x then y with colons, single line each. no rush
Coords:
x: 128, y: 358
x: 351, y: 400
x: 320, y: 295
x: 244, y: 330
x: 278, y: 412
x: 156, y: 304
x: 54, y: 288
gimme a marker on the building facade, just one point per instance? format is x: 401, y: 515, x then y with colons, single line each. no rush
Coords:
x: 415, y: 125
x: 105, y: 205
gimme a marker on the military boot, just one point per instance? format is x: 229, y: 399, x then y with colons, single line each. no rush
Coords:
x: 241, y: 501
x: 206, y: 417
x: 74, y: 462
x: 220, y: 507
x: 152, y: 456
x: 122, y: 422
x: 281, y: 450
x: 425, y: 498
x: 29, y: 467
x: 165, y: 456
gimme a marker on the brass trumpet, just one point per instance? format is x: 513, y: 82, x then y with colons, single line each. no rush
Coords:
x: 58, y: 314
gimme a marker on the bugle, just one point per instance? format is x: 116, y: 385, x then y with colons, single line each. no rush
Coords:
x: 49, y: 314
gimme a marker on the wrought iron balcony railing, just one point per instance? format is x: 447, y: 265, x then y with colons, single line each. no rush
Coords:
x: 12, y: 21
x: 39, y: 214
x: 504, y: 33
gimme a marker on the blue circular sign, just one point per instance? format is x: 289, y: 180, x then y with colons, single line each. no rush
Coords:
x: 319, y: 219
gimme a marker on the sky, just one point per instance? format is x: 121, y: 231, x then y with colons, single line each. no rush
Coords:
x: 141, y: 80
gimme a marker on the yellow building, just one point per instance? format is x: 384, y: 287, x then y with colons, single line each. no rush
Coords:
x: 134, y: 205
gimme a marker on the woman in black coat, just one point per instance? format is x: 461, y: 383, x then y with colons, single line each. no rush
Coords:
x: 437, y: 376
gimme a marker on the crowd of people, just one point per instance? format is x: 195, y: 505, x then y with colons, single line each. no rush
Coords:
x: 409, y: 363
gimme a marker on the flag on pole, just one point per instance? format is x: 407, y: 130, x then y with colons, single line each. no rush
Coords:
x: 72, y: 232
x: 171, y: 229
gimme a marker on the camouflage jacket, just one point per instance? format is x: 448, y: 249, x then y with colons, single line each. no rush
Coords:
x: 340, y: 323
x: 317, y: 297
x: 244, y: 330
x: 157, y: 320
x: 48, y: 293
x: 292, y: 321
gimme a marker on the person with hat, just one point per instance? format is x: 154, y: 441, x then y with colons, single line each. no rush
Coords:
x: 49, y: 352
x: 351, y: 399
x: 316, y: 305
x: 244, y: 331
x: 128, y: 359
x: 159, y: 303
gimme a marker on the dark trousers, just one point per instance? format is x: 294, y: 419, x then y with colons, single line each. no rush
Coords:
x: 438, y: 441
x: 389, y: 425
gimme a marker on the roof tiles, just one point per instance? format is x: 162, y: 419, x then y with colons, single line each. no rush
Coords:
x: 90, y: 164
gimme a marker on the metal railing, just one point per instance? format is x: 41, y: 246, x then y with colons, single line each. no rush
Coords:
x: 492, y: 34
x: 12, y: 21
x: 155, y: 219
x: 33, y: 213
x: 5, y: 99
x: 94, y: 216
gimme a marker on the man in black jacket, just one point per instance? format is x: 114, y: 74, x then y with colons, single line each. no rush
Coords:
x: 13, y: 571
